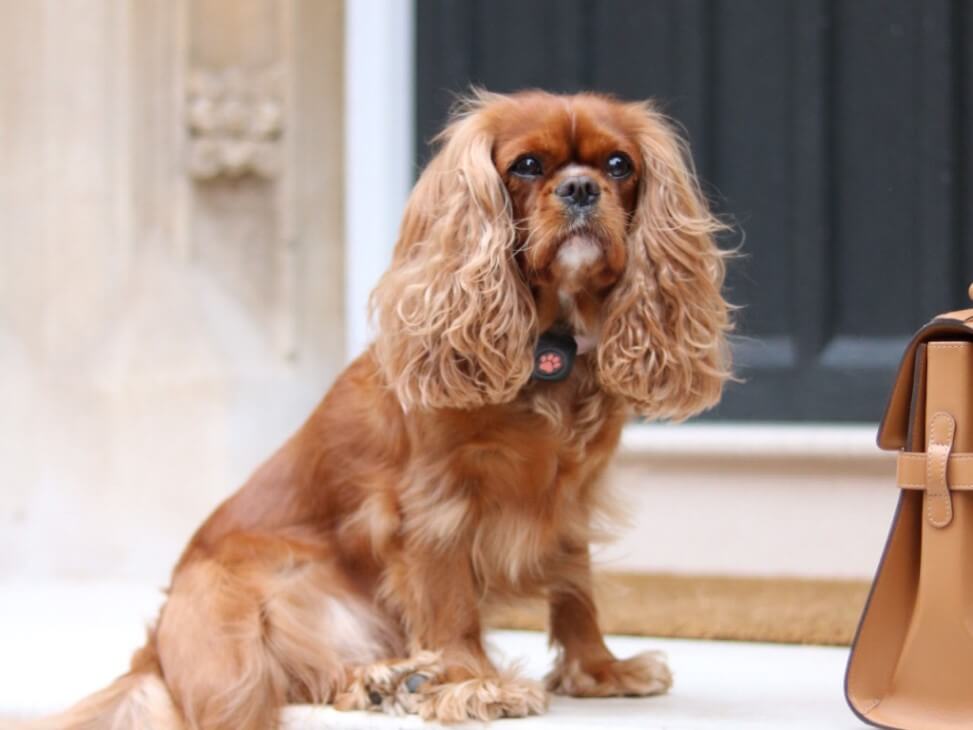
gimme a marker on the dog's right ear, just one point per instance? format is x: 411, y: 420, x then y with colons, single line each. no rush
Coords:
x: 456, y: 320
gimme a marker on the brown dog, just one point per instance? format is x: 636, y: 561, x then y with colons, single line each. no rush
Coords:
x: 438, y: 474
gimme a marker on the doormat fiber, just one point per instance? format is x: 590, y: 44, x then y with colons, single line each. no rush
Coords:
x: 779, y: 610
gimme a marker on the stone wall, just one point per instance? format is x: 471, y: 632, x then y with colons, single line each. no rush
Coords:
x: 170, y: 265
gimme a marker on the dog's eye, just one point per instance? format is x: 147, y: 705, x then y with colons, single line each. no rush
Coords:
x: 619, y: 166
x: 527, y: 166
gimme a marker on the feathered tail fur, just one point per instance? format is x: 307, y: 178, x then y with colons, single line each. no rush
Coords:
x: 138, y: 700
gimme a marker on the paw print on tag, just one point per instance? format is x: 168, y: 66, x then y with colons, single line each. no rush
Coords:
x: 549, y: 363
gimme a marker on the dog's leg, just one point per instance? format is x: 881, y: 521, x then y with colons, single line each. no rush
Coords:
x: 585, y: 667
x: 258, y: 622
x: 438, y: 601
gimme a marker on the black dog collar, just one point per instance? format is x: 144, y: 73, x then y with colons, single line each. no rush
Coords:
x: 554, y: 356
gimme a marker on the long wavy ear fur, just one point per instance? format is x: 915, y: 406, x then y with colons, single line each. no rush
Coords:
x: 456, y: 320
x: 663, y: 342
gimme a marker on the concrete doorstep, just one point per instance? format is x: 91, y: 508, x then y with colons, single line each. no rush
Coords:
x: 59, y: 642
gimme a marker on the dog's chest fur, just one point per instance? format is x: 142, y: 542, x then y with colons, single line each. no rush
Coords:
x: 513, y: 484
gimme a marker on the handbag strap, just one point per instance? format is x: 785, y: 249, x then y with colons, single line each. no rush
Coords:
x: 911, y: 471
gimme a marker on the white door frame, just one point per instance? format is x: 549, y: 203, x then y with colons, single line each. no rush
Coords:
x: 379, y: 149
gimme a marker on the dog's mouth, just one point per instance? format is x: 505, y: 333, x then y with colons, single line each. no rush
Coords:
x: 578, y: 253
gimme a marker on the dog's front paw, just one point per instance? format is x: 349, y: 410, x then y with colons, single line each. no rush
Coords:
x: 481, y: 698
x: 640, y: 676
x: 390, y: 686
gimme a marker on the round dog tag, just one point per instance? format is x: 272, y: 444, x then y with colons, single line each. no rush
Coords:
x: 554, y: 356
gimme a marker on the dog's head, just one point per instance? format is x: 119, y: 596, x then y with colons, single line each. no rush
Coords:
x: 579, y: 213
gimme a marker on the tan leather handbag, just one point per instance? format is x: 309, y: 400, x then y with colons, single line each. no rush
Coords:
x: 911, y: 664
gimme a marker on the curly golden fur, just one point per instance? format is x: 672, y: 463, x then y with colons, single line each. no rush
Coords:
x: 437, y: 476
x: 456, y: 321
x: 663, y: 346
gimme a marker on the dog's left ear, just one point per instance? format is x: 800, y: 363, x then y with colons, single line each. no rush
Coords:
x: 663, y: 341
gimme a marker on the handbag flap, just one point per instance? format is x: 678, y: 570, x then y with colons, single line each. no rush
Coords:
x: 893, y: 431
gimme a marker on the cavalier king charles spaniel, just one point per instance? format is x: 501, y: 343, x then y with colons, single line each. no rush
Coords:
x: 555, y: 273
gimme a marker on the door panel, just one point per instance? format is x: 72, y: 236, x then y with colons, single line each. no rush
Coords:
x: 835, y: 136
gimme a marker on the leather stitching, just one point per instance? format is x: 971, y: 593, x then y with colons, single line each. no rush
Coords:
x: 937, y: 460
x: 912, y: 463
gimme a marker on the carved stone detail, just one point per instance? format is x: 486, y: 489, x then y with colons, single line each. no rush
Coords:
x: 235, y: 120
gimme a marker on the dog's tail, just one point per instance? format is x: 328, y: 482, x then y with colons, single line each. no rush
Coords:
x: 138, y: 700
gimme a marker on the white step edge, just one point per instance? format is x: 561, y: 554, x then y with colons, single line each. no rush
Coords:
x: 751, y: 440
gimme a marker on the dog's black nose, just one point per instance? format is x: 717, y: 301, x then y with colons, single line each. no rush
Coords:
x: 578, y: 191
